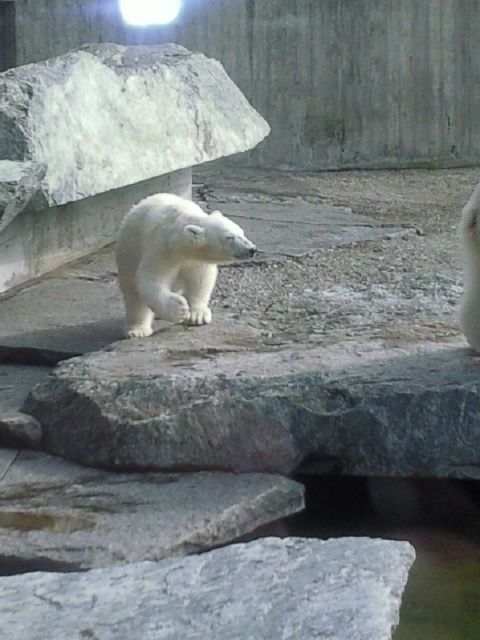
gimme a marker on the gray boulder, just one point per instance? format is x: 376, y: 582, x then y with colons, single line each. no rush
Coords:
x: 106, y: 116
x: 293, y: 588
x: 215, y: 398
x: 57, y: 515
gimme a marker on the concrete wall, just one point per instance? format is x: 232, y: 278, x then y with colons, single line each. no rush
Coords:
x: 343, y: 83
x: 37, y: 242
x: 7, y: 35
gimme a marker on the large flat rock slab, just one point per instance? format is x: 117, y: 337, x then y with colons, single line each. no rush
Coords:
x: 79, y: 119
x: 216, y: 398
x: 271, y: 588
x: 59, y: 516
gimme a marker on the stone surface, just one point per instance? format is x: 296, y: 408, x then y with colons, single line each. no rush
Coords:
x: 409, y: 410
x: 20, y: 187
x: 16, y: 428
x: 72, y: 314
x: 54, y: 514
x: 15, y: 383
x: 293, y: 588
x: 19, y: 430
x: 299, y: 228
x: 404, y: 287
x: 11, y: 174
x: 80, y: 119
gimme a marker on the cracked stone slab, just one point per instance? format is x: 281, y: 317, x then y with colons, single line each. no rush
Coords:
x: 271, y: 588
x: 57, y: 515
x: 74, y: 120
x: 216, y: 398
x: 298, y: 228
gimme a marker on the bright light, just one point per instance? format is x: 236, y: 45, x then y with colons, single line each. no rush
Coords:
x: 144, y: 12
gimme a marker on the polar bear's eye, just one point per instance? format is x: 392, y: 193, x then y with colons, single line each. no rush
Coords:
x: 230, y: 238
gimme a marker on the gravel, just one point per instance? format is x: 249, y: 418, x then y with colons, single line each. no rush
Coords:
x: 406, y: 287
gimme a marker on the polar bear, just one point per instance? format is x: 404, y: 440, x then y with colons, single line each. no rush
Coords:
x: 167, y: 254
x: 470, y: 303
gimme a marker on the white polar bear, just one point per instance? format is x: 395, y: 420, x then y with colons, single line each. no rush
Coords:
x: 167, y: 253
x: 470, y: 302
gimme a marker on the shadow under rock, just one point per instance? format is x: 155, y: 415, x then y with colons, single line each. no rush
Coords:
x: 47, y: 347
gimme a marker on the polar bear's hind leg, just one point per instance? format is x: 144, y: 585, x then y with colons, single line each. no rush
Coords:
x: 139, y: 316
x: 139, y: 321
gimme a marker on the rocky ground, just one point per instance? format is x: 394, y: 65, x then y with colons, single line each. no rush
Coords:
x: 405, y: 285
x: 335, y: 350
x: 354, y: 292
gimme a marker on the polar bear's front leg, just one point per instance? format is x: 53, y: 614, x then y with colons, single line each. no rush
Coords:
x: 166, y: 305
x: 197, y: 281
x: 173, y: 307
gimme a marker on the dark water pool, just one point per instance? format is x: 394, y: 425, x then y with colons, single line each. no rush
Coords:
x: 441, y: 518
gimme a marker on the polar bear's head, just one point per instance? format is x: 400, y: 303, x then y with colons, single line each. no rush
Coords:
x: 218, y: 239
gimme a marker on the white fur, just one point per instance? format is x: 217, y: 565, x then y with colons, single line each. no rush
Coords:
x: 167, y: 253
x: 470, y: 302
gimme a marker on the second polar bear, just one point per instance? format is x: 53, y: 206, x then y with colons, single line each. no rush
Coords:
x: 167, y: 253
x: 470, y: 303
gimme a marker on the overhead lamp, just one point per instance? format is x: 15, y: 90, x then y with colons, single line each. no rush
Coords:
x: 142, y: 13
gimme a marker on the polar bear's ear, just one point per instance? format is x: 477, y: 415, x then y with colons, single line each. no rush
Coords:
x: 194, y: 232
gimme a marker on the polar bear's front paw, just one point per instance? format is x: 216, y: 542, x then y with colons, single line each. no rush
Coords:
x: 199, y: 315
x: 177, y: 309
x: 139, y: 332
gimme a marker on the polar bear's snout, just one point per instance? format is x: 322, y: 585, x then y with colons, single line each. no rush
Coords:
x: 244, y: 248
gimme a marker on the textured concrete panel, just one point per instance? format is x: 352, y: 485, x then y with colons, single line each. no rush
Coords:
x: 342, y: 84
